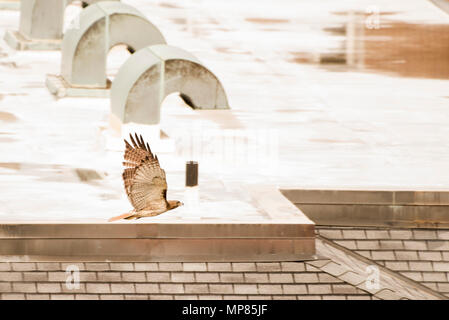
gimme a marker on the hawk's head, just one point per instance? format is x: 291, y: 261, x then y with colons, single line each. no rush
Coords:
x: 174, y: 204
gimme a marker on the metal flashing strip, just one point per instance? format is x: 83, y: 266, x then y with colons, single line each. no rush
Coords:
x: 376, y: 208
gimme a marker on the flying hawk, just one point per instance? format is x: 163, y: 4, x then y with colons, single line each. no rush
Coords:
x: 145, y: 182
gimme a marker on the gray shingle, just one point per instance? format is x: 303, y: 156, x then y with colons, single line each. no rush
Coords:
x: 438, y: 245
x: 358, y: 297
x: 420, y: 266
x: 382, y: 255
x: 327, y: 278
x: 147, y: 288
x: 416, y: 276
x: 333, y: 297
x: 245, y: 288
x: 364, y: 253
x: 195, y: 288
x: 210, y: 297
x: 294, y: 288
x: 397, y: 265
x: 182, y: 277
x: 256, y: 277
x: 319, y: 288
x: 170, y: 266
x: 49, y: 266
x: 330, y: 233
x: 431, y: 285
x: 391, y: 244
x: 401, y: 234
x: 98, y: 288
x: 280, y: 277
x: 306, y: 277
x: 441, y: 266
x: 221, y: 288
x: 219, y: 266
x: 122, y: 288
x: 23, y: 266
x: 415, y: 245
x: 24, y: 287
x: 268, y: 266
x: 194, y: 266
x: 38, y: 296
x: 434, y: 277
x: 425, y: 234
x: 171, y: 288
x: 349, y: 244
x: 5, y: 266
x: 207, y: 277
x: 87, y: 297
x: 430, y: 255
x: 443, y: 234
x: 121, y: 266
x: 147, y: 266
x: 109, y: 276
x: 354, y: 234
x: 406, y: 255
x: 136, y: 297
x: 97, y: 266
x: 368, y: 244
x: 443, y: 287
x: 377, y: 234
x: 270, y: 289
x: 244, y: 266
x: 293, y: 266
x: 344, y: 289
x: 231, y: 277
x: 133, y: 276
x: 158, y: 276
x: 312, y: 268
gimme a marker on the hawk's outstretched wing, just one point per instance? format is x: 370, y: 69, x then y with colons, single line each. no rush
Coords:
x: 145, y: 181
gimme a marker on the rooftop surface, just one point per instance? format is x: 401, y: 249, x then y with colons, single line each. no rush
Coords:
x: 307, y: 124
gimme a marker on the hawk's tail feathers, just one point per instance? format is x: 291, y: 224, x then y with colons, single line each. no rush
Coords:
x: 127, y: 216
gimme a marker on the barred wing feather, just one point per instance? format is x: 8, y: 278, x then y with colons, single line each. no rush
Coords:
x: 145, y: 181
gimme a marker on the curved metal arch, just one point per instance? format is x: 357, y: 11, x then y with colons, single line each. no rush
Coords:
x: 102, y: 26
x: 154, y: 72
x: 44, y: 19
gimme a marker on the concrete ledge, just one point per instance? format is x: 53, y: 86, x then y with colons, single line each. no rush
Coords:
x: 410, y: 209
x: 276, y: 241
x: 280, y: 233
x: 60, y: 88
x: 17, y: 41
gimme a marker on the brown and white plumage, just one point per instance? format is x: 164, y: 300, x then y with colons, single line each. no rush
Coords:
x: 145, y: 181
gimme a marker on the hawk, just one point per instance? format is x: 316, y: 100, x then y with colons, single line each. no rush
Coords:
x: 145, y: 182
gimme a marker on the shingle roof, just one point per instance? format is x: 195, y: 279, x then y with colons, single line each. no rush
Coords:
x: 421, y: 255
x: 214, y: 280
x: 412, y: 264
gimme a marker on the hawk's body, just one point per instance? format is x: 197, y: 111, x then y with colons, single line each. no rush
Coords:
x: 145, y: 182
